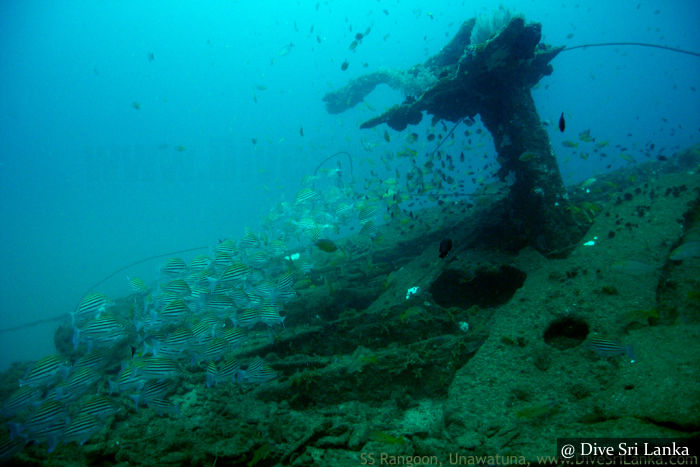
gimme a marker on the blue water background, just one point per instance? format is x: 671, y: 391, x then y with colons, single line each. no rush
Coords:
x: 107, y: 156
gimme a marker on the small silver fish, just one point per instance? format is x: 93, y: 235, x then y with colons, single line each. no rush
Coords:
x: 44, y: 371
x: 686, y: 251
x: 163, y: 407
x: 259, y: 372
x: 81, y: 428
x: 173, y: 267
x: 610, y: 348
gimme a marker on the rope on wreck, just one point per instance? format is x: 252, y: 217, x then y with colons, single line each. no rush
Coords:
x: 98, y: 283
x: 135, y: 263
x: 34, y: 323
x: 449, y: 133
x: 339, y: 153
x: 639, y: 44
x: 573, y: 47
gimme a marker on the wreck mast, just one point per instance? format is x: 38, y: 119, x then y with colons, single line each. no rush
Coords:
x: 492, y: 79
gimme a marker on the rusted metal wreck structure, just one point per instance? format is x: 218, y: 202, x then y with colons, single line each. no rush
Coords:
x: 492, y: 78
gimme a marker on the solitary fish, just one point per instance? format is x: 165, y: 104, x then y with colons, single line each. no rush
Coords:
x: 585, y: 136
x: 137, y: 285
x: 23, y: 398
x: 686, y: 251
x: 562, y: 123
x: 43, y: 371
x: 326, y: 245
x: 81, y: 428
x: 527, y: 156
x: 90, y: 306
x: 445, y: 247
x: 258, y: 372
x: 609, y: 348
x: 173, y: 267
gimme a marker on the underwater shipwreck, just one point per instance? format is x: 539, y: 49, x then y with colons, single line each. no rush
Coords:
x: 487, y: 325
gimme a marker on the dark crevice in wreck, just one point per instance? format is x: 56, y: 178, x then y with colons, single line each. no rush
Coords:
x: 566, y: 333
x: 488, y: 287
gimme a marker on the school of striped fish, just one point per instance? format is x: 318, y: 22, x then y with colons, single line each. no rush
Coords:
x: 192, y: 320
